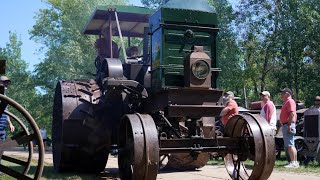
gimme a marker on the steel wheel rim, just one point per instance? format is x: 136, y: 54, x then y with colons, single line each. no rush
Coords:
x: 138, y: 159
x: 263, y: 140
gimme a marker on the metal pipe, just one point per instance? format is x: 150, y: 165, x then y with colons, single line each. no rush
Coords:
x: 220, y: 149
x: 121, y: 38
x: 110, y: 35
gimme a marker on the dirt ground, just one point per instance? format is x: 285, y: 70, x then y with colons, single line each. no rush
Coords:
x: 207, y: 172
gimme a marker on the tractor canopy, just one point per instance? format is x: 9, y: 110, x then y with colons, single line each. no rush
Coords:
x: 132, y: 20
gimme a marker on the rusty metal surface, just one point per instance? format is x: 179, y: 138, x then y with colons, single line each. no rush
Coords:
x: 193, y: 111
x: 176, y: 98
x: 309, y: 144
x: 138, y: 148
x: 80, y: 134
x: 259, y: 147
x: 130, y: 85
x: 22, y: 137
x: 312, y: 124
x: 255, y: 105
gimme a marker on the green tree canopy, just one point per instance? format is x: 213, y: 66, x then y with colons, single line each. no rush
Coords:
x: 22, y: 88
x: 69, y: 54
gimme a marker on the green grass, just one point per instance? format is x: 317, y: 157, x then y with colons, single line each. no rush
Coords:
x: 312, y: 167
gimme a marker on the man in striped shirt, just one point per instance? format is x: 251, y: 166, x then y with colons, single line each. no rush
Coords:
x: 5, y: 119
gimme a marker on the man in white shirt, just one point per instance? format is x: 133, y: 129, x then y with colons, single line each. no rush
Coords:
x: 268, y: 110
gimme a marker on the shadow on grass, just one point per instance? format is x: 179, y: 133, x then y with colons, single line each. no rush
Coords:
x: 50, y: 173
x: 220, y: 162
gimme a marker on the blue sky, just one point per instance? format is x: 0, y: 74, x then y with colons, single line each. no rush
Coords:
x: 18, y: 16
x: 135, y: 2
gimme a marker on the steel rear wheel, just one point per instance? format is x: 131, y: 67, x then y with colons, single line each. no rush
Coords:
x: 26, y: 131
x: 256, y: 156
x: 79, y: 138
x: 138, y: 148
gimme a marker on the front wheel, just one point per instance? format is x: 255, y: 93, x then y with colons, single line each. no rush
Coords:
x: 138, y: 148
x: 256, y: 156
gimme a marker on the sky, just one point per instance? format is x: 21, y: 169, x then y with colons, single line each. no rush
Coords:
x: 18, y: 16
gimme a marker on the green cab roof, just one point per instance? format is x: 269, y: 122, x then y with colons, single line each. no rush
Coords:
x: 132, y: 20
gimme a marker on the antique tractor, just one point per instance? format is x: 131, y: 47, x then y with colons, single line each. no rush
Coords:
x: 26, y: 132
x: 155, y: 106
x: 308, y: 145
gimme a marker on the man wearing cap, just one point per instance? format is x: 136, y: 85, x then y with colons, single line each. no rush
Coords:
x: 268, y: 110
x: 288, y: 119
x: 231, y: 107
x: 4, y: 120
x: 317, y: 102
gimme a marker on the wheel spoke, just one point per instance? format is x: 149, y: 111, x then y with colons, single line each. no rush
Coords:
x: 14, y: 173
x: 14, y: 160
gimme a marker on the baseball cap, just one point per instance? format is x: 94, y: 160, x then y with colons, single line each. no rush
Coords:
x: 265, y: 93
x: 229, y: 93
x: 317, y: 98
x: 4, y: 78
x: 4, y: 81
x: 286, y: 90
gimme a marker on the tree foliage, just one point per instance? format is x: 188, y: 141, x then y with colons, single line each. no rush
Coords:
x: 22, y: 87
x: 231, y: 77
x: 279, y: 46
x: 153, y: 3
